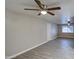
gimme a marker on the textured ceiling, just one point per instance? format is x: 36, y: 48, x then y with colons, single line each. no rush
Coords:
x: 66, y: 11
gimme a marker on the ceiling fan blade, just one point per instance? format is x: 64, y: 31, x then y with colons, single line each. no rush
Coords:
x: 39, y: 4
x: 50, y: 13
x: 31, y: 9
x: 39, y: 14
x: 54, y: 8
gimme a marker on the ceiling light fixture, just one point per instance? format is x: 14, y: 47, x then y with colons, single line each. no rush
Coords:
x: 43, y: 12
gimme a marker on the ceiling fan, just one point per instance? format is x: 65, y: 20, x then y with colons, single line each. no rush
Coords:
x: 43, y: 8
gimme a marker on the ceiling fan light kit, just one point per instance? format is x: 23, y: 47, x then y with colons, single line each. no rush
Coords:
x: 43, y: 8
x: 43, y: 12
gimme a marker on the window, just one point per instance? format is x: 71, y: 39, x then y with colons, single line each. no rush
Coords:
x: 67, y: 29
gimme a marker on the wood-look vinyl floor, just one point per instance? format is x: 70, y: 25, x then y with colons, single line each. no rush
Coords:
x: 55, y: 49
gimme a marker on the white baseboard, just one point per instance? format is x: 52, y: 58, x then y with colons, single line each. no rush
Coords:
x: 29, y: 49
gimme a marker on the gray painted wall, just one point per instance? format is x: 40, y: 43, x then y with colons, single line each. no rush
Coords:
x: 24, y: 32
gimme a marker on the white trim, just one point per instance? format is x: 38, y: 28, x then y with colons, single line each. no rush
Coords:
x: 28, y: 49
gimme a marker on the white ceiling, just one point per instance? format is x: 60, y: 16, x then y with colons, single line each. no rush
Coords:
x: 60, y: 17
